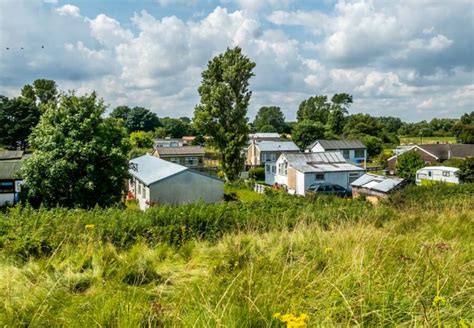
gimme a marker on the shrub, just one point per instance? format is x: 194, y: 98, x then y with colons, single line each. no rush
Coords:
x: 257, y: 173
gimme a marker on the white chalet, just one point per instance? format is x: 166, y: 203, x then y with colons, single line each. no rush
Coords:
x: 156, y: 181
x: 430, y: 174
x: 299, y: 170
x: 353, y: 151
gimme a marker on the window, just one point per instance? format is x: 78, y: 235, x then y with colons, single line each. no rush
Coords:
x: 274, y: 169
x: 345, y: 153
x: 353, y: 177
x: 174, y: 160
x: 359, y: 153
x: 268, y: 168
x: 283, y: 168
x: 139, y: 188
x: 7, y: 187
x: 319, y: 176
x: 191, y: 161
x: 429, y: 173
x: 446, y: 174
x: 144, y: 192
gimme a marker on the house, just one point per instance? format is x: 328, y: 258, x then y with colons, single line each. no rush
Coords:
x: 431, y: 174
x: 168, y: 143
x: 353, y: 151
x: 156, y: 181
x: 260, y: 153
x: 188, y: 140
x: 10, y: 179
x: 190, y: 156
x: 297, y: 171
x: 374, y: 187
x: 434, y: 153
x: 264, y: 136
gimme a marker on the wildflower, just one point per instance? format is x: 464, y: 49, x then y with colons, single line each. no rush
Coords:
x: 328, y: 250
x: 291, y: 320
x: 90, y: 226
x: 439, y: 300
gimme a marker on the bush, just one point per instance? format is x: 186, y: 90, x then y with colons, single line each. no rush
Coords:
x: 257, y: 173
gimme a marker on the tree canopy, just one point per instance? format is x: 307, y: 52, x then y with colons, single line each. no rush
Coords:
x: 306, y: 132
x: 78, y: 155
x: 466, y: 171
x: 407, y: 165
x: 222, y: 111
x: 269, y: 119
x: 136, y: 118
x: 42, y: 92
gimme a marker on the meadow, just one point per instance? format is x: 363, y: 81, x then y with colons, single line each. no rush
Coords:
x: 426, y: 140
x: 244, y: 263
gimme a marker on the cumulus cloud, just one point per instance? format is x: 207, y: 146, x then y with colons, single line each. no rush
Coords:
x: 69, y: 10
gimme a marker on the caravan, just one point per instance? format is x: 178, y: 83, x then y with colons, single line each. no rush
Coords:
x: 432, y: 174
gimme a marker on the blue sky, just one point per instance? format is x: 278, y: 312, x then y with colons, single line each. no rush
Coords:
x: 412, y: 59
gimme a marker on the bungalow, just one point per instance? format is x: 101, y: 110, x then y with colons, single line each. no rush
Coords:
x: 156, y: 181
x: 264, y: 136
x: 168, y: 143
x: 434, y: 153
x: 260, y: 153
x: 190, y: 156
x: 10, y: 179
x: 353, y: 151
x: 433, y: 174
x: 298, y: 171
x: 374, y: 187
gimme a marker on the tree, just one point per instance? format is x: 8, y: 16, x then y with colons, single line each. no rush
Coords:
x: 80, y: 158
x: 269, y: 116
x: 466, y: 171
x: 358, y: 124
x: 335, y: 123
x: 464, y: 129
x: 407, y: 165
x: 341, y: 102
x: 121, y: 112
x: 306, y: 132
x: 222, y: 111
x: 18, y: 117
x: 314, y: 109
x: 42, y: 92
x: 141, y: 139
x: 374, y: 145
x: 176, y: 127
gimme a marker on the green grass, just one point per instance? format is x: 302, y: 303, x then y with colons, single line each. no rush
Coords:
x: 406, y: 262
x: 426, y: 140
x: 243, y: 194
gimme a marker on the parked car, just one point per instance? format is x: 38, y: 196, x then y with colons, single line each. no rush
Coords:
x: 329, y: 189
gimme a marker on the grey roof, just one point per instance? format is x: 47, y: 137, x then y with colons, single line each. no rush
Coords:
x: 339, y: 144
x: 445, y: 151
x: 10, y: 154
x: 151, y: 169
x: 377, y: 183
x: 10, y: 169
x: 263, y: 135
x: 184, y: 150
x: 331, y: 161
x: 281, y: 146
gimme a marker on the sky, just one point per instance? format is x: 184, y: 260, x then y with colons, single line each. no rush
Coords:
x: 411, y: 59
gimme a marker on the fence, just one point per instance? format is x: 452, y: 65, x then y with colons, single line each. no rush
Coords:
x: 259, y: 188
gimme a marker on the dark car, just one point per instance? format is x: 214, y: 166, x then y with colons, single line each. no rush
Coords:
x: 326, y: 188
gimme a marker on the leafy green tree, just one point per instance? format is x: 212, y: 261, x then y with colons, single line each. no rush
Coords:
x: 80, y: 158
x: 466, y: 171
x: 141, y: 139
x: 42, y: 92
x: 390, y: 123
x: 141, y: 119
x: 374, y: 145
x: 359, y: 124
x: 407, y: 165
x: 341, y: 102
x: 121, y: 112
x: 176, y: 127
x: 335, y: 124
x: 269, y: 116
x: 314, y: 109
x: 222, y: 112
x: 306, y: 132
x: 18, y: 117
x: 464, y: 129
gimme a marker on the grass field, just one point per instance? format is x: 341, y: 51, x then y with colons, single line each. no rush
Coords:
x: 426, y: 140
x: 406, y: 262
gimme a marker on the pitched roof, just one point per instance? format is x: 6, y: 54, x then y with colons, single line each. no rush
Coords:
x: 339, y: 144
x: 184, y: 150
x: 282, y: 146
x: 445, y: 151
x: 10, y: 169
x: 151, y: 169
x: 331, y: 161
x: 263, y: 135
x: 10, y: 154
x: 377, y: 183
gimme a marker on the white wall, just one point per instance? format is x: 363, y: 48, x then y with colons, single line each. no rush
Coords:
x: 317, y: 148
x: 7, y: 198
x: 187, y: 187
x: 436, y: 175
x: 339, y: 178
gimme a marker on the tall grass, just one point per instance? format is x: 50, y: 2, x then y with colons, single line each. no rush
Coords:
x: 342, y: 262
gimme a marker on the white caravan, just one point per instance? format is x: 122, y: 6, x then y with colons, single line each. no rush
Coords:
x: 431, y: 174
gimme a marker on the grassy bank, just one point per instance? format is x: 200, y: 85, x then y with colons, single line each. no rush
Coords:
x: 341, y: 262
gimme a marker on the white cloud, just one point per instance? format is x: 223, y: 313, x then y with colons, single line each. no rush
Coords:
x: 108, y: 31
x: 69, y: 10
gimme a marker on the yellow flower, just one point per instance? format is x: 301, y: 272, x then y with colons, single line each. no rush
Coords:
x: 439, y: 300
x: 328, y: 250
x: 277, y: 315
x: 90, y: 226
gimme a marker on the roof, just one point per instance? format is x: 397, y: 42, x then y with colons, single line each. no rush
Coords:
x: 320, y: 162
x: 339, y: 144
x: 442, y: 168
x: 263, y: 135
x: 377, y: 183
x: 10, y: 154
x: 10, y: 169
x: 184, y: 150
x: 151, y: 169
x: 445, y: 151
x: 282, y: 146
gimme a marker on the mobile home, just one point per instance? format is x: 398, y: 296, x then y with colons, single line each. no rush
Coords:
x: 430, y: 174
